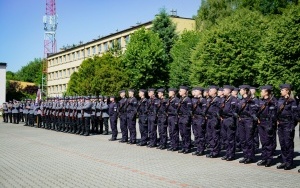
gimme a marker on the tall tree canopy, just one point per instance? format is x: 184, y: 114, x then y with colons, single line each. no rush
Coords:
x: 144, y: 60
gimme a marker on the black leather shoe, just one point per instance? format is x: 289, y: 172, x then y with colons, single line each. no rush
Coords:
x: 142, y: 144
x: 208, y: 155
x: 238, y: 149
x: 133, y: 142
x: 262, y: 163
x: 195, y: 153
x: 268, y: 164
x: 123, y: 141
x: 159, y: 147
x: 112, y: 139
x: 170, y: 149
x: 186, y: 151
x: 281, y: 166
x: 163, y: 147
x: 299, y: 171
x: 243, y: 160
x: 288, y: 167
x: 248, y: 161
x: 224, y: 158
x: 175, y: 149
x: 129, y: 142
x: 181, y: 151
x: 230, y: 159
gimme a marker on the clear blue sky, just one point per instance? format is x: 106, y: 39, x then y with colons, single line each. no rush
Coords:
x: 21, y: 25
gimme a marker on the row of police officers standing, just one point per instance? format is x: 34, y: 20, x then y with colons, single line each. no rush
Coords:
x: 217, y: 117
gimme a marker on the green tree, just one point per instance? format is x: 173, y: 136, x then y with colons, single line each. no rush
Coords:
x: 32, y: 72
x: 212, y: 10
x: 181, y: 53
x: 166, y: 30
x: 280, y: 60
x: 227, y: 53
x: 73, y: 85
x: 103, y: 75
x: 144, y: 60
x: 110, y: 77
x: 10, y: 75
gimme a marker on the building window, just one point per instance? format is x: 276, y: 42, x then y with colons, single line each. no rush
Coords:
x: 127, y: 39
x: 88, y: 51
x: 105, y: 47
x: 59, y: 87
x: 119, y: 42
x: 94, y: 50
x: 60, y: 59
x: 64, y: 58
x: 68, y: 72
x: 83, y: 53
x: 99, y: 48
x: 56, y: 88
x: 68, y: 57
x: 73, y: 56
x: 78, y: 54
x: 56, y: 74
x: 73, y: 69
x: 64, y: 72
x: 60, y: 74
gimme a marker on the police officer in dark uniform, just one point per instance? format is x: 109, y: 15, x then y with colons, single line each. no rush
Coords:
x: 21, y: 107
x: 184, y: 119
x: 113, y: 117
x: 79, y: 116
x: 238, y: 146
x: 9, y: 111
x: 123, y: 116
x: 31, y: 113
x: 105, y: 116
x: 256, y: 136
x: 87, y: 111
x: 171, y: 109
x: 152, y: 106
x: 266, y: 124
x: 5, y: 112
x: 73, y: 115
x: 143, y: 119
x: 213, y: 122
x: 99, y: 115
x: 131, y: 116
x: 162, y: 120
x: 247, y: 110
x: 198, y: 120
x: 93, y: 115
x: 15, y: 112
x: 287, y: 120
x: 228, y: 122
x: 66, y: 108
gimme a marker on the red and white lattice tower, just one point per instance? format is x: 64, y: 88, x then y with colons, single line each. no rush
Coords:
x: 50, y: 26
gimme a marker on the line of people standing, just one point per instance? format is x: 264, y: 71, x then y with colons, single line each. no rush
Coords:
x: 219, y: 119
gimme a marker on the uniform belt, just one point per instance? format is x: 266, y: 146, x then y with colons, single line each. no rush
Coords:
x: 198, y: 115
x: 285, y: 118
x: 226, y: 116
x: 245, y: 116
x: 264, y: 119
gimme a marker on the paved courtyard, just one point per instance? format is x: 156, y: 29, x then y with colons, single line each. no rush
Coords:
x: 32, y: 157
